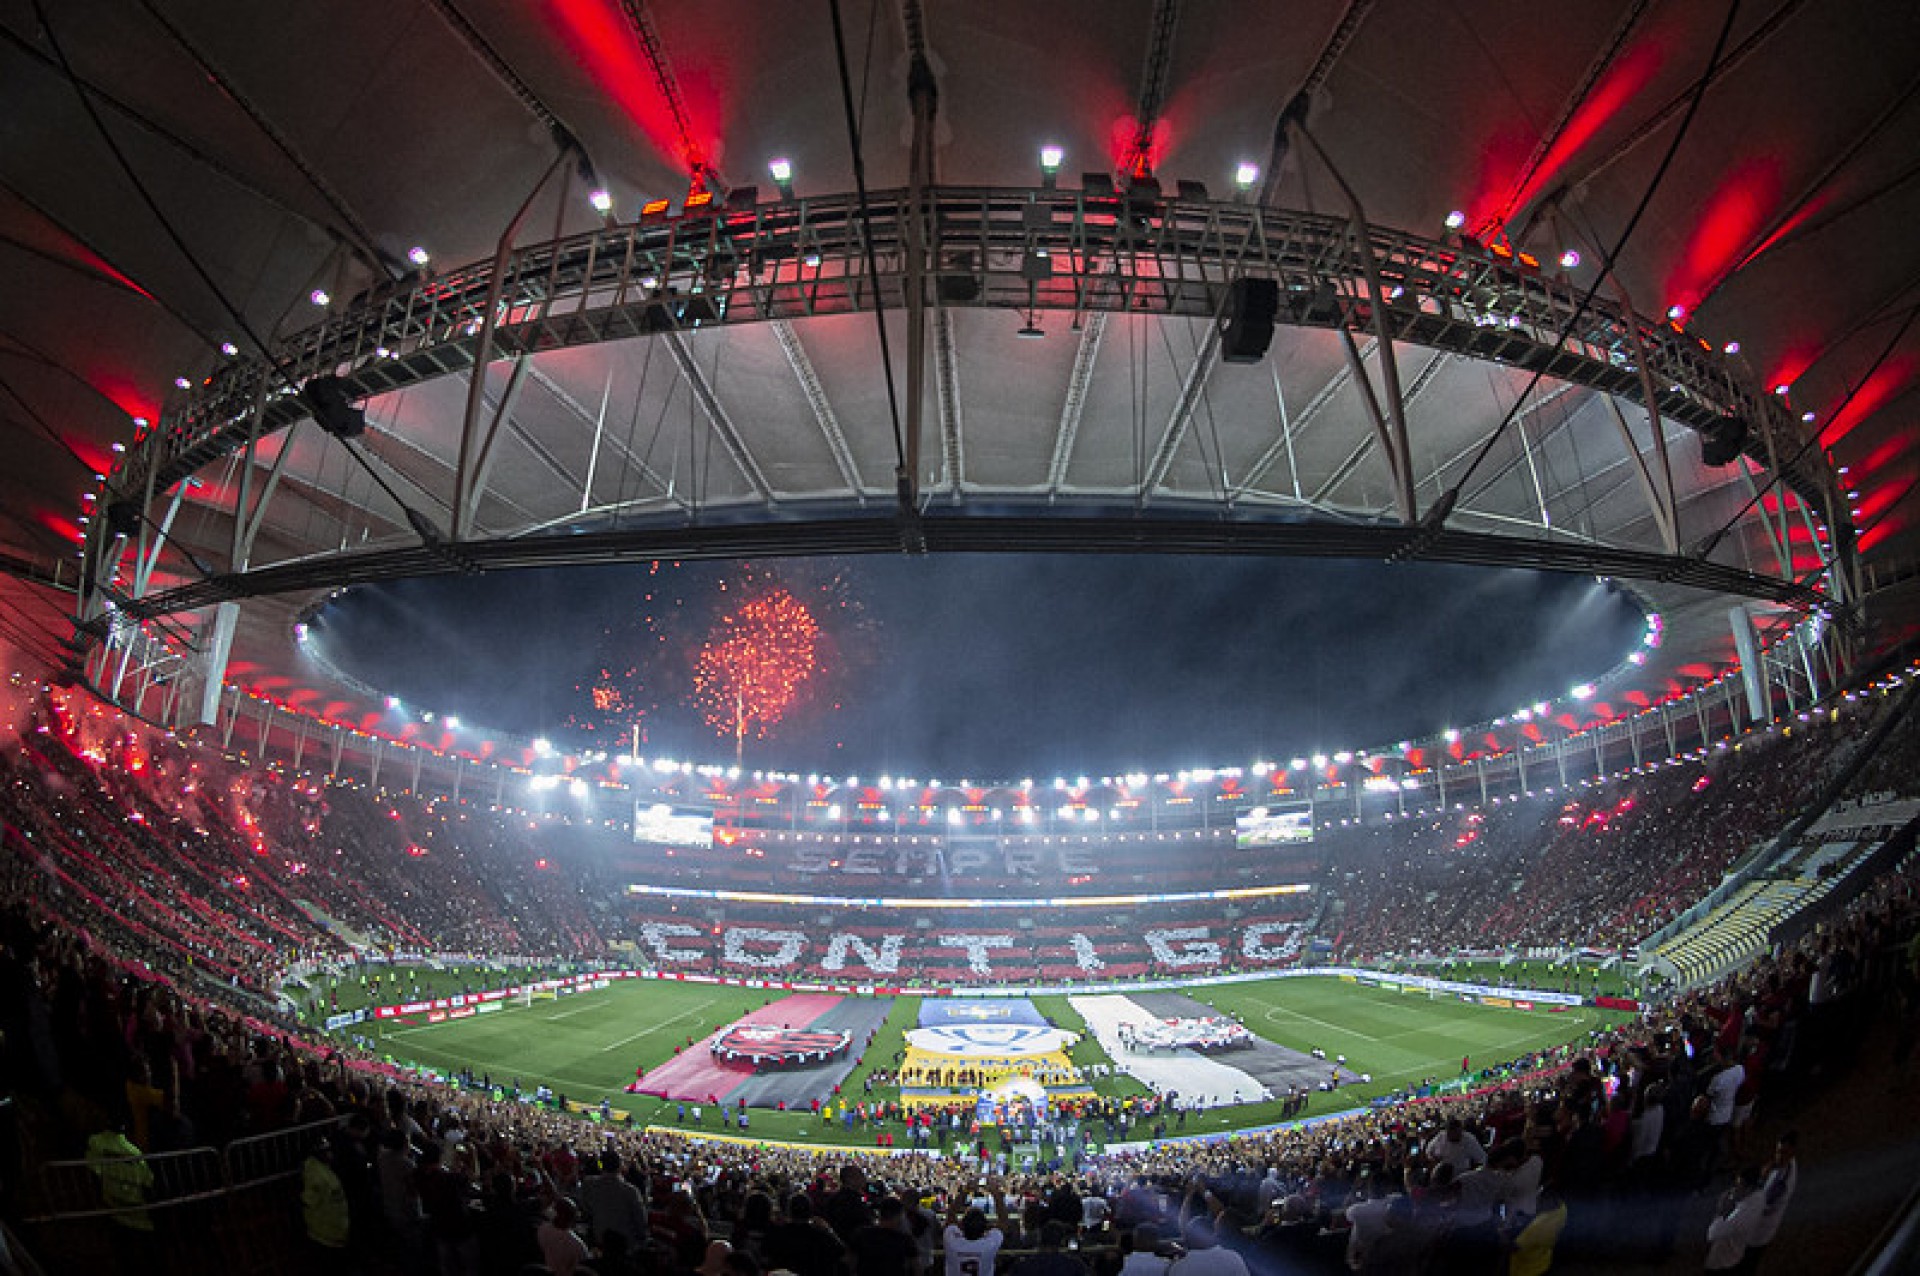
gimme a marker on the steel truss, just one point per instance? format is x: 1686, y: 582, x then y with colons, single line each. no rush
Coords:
x: 1084, y: 253
x: 1012, y: 249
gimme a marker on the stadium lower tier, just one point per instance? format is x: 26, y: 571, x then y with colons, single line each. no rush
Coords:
x: 919, y: 950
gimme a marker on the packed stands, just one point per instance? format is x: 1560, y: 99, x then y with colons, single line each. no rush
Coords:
x: 149, y: 883
x: 1608, y: 1141
x: 1600, y: 867
x: 934, y: 947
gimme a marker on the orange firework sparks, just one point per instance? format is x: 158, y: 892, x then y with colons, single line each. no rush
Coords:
x: 755, y: 666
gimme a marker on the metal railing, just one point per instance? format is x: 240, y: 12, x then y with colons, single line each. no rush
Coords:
x: 233, y: 1210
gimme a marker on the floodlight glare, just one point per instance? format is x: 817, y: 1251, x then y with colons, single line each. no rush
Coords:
x: 418, y: 255
x: 228, y: 349
x: 1245, y: 174
x: 319, y: 297
x: 1569, y: 259
x: 601, y: 200
x: 781, y: 170
x: 1456, y: 219
x: 1051, y: 158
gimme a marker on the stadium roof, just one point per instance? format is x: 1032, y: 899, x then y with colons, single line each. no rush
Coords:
x: 204, y: 207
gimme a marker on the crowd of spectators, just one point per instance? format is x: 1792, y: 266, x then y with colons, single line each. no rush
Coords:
x: 121, y: 885
x: 207, y: 869
x: 199, y: 863
x: 1601, y: 866
x: 1605, y: 1151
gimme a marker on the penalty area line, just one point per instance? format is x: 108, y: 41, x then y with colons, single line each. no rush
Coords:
x: 1331, y: 1027
x: 653, y: 1028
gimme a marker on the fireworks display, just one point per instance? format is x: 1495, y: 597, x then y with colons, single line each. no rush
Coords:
x: 985, y: 665
x: 736, y: 652
x: 757, y: 666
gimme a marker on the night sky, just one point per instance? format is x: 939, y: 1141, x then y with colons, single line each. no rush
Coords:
x: 997, y: 667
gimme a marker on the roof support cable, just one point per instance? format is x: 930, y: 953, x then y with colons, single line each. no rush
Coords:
x: 905, y: 481
x: 1437, y: 515
x: 415, y: 519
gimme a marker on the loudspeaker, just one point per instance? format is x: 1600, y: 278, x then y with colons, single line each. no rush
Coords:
x: 123, y: 518
x: 332, y: 405
x: 1246, y: 324
x: 1721, y: 444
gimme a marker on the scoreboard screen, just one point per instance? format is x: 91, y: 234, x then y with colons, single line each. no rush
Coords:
x: 658, y: 824
x: 1273, y: 826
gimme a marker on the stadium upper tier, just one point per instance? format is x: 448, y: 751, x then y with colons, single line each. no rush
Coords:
x: 198, y: 863
x: 1013, y: 866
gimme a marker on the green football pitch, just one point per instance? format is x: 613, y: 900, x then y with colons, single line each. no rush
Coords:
x: 586, y: 1046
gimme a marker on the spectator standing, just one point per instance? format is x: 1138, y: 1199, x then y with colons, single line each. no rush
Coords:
x: 611, y: 1204
x: 1456, y: 1147
x: 560, y: 1246
x: 885, y: 1247
x: 1141, y: 1250
x: 1205, y: 1255
x: 1776, y: 1191
x: 1734, y: 1222
x: 1533, y: 1244
x: 803, y: 1244
x: 323, y: 1205
x: 971, y: 1245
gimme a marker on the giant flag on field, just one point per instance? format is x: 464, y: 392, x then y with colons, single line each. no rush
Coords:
x: 1140, y: 1032
x: 730, y: 1065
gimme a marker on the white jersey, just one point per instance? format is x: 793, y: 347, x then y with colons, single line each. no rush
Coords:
x: 971, y: 1258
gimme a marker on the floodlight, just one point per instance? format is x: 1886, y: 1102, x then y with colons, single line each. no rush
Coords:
x: 1245, y: 174
x: 1050, y: 159
x: 1456, y: 219
x: 319, y: 297
x: 601, y: 200
x: 418, y: 255
x: 228, y: 349
x: 1569, y: 259
x: 1676, y: 312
